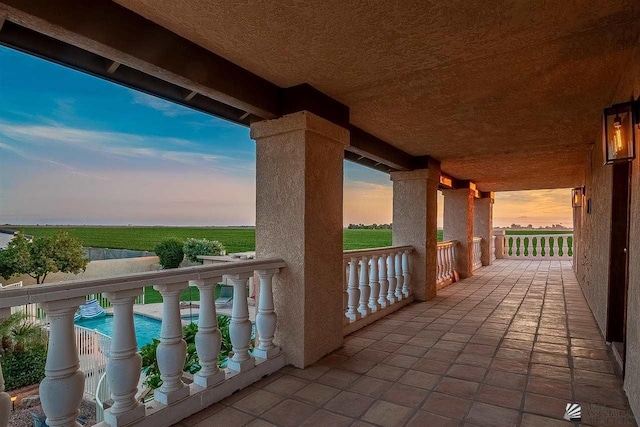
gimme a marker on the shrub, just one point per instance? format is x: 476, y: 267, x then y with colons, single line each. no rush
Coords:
x: 170, y: 253
x: 194, y: 247
x: 24, y: 351
x: 192, y: 363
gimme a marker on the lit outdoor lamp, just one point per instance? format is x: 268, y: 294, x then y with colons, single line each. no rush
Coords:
x: 576, y: 197
x: 621, y: 124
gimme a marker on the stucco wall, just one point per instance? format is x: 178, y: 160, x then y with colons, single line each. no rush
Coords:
x: 97, y: 269
x: 593, y: 237
x: 632, y: 377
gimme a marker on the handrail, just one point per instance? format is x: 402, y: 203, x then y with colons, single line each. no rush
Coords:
x: 81, y: 287
x: 447, y: 243
x: 376, y: 251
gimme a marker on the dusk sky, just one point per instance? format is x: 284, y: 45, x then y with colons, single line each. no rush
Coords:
x: 75, y: 149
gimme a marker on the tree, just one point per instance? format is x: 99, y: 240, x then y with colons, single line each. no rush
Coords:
x: 194, y: 247
x: 41, y: 256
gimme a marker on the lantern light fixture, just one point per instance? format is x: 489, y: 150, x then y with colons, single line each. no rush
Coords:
x: 576, y: 197
x: 621, y: 131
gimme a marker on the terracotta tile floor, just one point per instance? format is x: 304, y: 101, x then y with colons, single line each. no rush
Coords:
x: 510, y: 346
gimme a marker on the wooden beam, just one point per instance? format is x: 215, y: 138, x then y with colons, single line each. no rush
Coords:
x: 306, y: 97
x: 113, y: 67
x: 373, y: 148
x: 109, y: 30
x: 23, y: 39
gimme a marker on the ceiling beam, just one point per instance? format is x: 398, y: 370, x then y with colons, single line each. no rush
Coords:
x: 366, y: 145
x: 107, y: 29
x: 34, y: 43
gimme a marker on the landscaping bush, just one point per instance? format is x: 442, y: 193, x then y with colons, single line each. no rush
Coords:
x: 24, y: 368
x: 192, y: 363
x: 194, y: 247
x: 23, y: 350
x: 170, y: 253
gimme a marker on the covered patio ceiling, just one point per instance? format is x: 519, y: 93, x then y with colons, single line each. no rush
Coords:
x: 505, y: 93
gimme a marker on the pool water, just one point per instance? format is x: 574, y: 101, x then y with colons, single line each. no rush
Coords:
x: 146, y: 328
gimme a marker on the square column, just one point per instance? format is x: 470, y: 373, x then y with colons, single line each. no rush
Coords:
x: 415, y: 196
x: 299, y: 174
x: 483, y: 224
x: 458, y: 225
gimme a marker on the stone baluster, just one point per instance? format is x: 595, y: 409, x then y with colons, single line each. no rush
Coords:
x: 62, y: 389
x: 439, y: 264
x: 125, y: 363
x: 399, y: 277
x: 363, y: 308
x: 5, y: 399
x: 406, y: 273
x: 266, y: 318
x: 345, y: 291
x: 240, y: 325
x: 449, y: 263
x: 374, y: 284
x: 384, y: 283
x: 353, y: 291
x: 530, y: 246
x: 208, y: 337
x: 172, y: 350
x: 391, y: 277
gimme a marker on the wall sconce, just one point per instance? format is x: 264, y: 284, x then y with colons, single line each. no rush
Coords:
x: 576, y: 197
x: 621, y: 126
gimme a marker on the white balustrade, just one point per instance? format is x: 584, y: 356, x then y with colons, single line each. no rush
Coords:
x: 406, y: 273
x: 172, y: 350
x: 363, y: 307
x: 208, y: 338
x: 538, y: 246
x: 374, y: 284
x: 266, y: 318
x: 476, y: 253
x: 383, y: 281
x: 61, y: 390
x: 446, y: 261
x: 391, y: 278
x: 399, y: 276
x: 353, y: 290
x: 345, y: 290
x: 240, y: 325
x: 125, y: 363
x: 493, y: 248
x: 376, y: 280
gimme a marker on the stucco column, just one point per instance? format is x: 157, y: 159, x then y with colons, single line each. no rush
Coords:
x: 415, y: 196
x: 499, y: 243
x: 483, y: 225
x: 299, y: 166
x: 458, y: 225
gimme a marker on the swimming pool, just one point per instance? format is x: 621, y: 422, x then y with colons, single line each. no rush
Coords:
x: 146, y: 328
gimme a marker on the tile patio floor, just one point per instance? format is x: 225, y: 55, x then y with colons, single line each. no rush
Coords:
x: 510, y: 346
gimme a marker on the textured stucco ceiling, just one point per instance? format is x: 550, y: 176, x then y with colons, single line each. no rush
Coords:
x: 505, y: 92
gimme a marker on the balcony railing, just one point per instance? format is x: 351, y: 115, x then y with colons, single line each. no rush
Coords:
x: 446, y: 262
x: 376, y: 283
x: 476, y: 261
x: 538, y: 246
x: 174, y: 400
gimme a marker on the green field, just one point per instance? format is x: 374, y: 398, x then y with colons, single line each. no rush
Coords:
x: 234, y: 239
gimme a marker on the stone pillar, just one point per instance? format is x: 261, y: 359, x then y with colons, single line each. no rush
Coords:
x: 414, y: 223
x: 299, y: 174
x: 483, y: 225
x: 458, y: 225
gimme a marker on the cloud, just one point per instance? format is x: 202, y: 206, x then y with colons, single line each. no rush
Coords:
x: 122, y: 145
x: 31, y: 157
x: 169, y: 109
